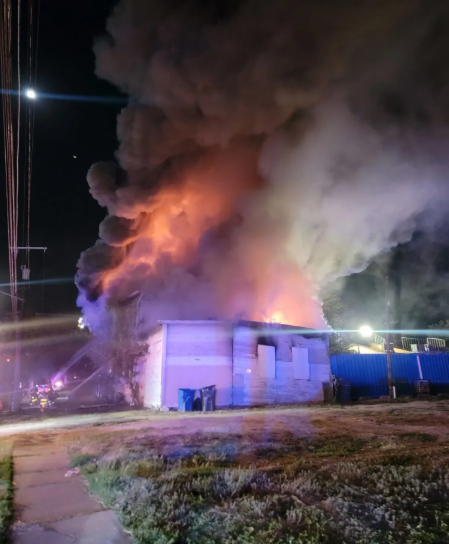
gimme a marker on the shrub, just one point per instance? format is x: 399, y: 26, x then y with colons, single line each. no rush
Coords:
x: 6, y: 501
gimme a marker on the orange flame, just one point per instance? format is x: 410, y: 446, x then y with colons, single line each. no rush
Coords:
x: 276, y: 317
x: 181, y: 212
x: 171, y: 227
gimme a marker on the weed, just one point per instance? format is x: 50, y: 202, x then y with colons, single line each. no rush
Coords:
x: 81, y: 460
x: 106, y: 484
x: 267, y: 452
x: 5, y: 469
x: 6, y: 500
x: 420, y: 437
x: 144, y: 468
x: 399, y: 459
x: 204, y: 498
x: 211, y: 460
x: 339, y: 446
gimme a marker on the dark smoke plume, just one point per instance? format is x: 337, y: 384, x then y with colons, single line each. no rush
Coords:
x: 267, y: 149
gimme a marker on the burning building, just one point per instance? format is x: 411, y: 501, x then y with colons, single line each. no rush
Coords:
x: 262, y: 154
x: 249, y: 363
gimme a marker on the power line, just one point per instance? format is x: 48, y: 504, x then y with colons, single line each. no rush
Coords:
x: 43, y: 286
x: 33, y: 43
x: 11, y: 169
x: 13, y: 137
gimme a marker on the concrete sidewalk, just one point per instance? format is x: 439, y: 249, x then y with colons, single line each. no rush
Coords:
x: 53, y: 509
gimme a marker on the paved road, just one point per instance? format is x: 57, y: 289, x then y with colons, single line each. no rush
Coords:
x: 16, y: 425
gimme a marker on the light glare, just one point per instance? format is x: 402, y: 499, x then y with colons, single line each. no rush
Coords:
x: 81, y: 323
x: 366, y: 331
x: 31, y: 94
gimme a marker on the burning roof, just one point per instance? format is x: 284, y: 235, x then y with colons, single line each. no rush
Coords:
x: 260, y: 156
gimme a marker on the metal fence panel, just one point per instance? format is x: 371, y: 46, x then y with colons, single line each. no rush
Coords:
x: 405, y: 370
x: 435, y: 368
x: 368, y: 373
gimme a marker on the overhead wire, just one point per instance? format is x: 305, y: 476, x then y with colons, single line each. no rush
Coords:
x: 33, y: 45
x: 13, y: 137
x: 18, y: 119
x: 8, y: 133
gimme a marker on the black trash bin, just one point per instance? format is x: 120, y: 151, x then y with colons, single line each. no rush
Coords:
x: 197, y: 405
x: 208, y: 398
x: 345, y: 391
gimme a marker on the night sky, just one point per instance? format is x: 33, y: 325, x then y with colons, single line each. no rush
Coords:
x: 64, y: 217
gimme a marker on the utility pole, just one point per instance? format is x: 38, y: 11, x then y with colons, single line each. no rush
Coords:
x: 15, y: 401
x: 16, y: 394
x: 387, y: 322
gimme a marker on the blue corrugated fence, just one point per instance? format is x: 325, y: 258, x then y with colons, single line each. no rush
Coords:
x: 368, y: 373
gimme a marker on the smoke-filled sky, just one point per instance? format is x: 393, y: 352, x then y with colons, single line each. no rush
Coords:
x: 267, y: 149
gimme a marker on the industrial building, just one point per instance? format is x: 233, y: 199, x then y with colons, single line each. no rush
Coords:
x: 249, y: 362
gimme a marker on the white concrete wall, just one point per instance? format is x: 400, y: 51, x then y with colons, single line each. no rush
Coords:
x: 245, y: 372
x: 152, y: 369
x: 198, y: 354
x: 250, y: 388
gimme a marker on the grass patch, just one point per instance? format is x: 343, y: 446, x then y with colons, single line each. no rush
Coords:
x: 338, y: 446
x: 81, y: 460
x: 335, y: 490
x: 5, y: 469
x: 398, y: 460
x: 420, y: 437
x: 6, y: 499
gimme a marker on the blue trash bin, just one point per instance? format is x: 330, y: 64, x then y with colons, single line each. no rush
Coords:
x: 185, y: 399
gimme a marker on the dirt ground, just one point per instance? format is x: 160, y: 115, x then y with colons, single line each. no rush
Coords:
x: 363, y: 420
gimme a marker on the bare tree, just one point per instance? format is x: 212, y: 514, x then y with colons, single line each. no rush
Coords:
x: 126, y: 345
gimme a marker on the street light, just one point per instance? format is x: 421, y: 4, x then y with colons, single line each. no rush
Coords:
x: 31, y: 94
x: 366, y: 331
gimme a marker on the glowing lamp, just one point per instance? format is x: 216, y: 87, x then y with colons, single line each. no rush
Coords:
x: 366, y: 331
x: 31, y: 94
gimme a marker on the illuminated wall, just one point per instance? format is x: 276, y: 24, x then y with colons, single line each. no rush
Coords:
x: 249, y: 363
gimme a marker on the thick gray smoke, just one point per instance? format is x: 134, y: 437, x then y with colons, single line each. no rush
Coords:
x: 267, y: 148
